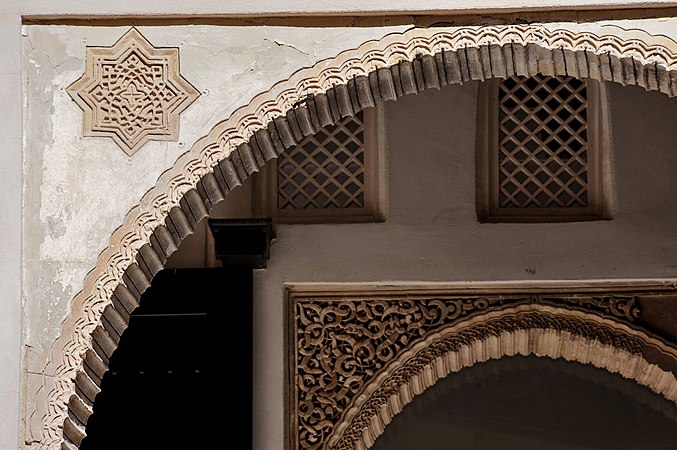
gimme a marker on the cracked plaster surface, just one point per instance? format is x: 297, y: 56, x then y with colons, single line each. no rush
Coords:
x: 78, y: 190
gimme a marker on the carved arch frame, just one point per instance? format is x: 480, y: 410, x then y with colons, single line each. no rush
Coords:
x: 542, y: 330
x: 377, y: 71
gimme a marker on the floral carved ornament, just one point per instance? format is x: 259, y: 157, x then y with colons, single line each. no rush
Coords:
x: 353, y: 356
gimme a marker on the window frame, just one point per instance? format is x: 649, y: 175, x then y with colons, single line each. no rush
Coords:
x: 266, y: 184
x: 598, y: 154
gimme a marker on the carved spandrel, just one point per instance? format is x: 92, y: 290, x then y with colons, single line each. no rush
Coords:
x: 620, y: 307
x: 493, y: 327
x: 342, y: 344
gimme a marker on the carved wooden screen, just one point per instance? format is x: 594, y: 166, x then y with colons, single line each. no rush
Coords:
x: 331, y: 176
x: 543, y: 156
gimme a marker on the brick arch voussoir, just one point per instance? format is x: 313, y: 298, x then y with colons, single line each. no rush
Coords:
x: 378, y: 71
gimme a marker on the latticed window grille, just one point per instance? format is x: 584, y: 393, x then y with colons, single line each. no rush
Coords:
x: 326, y: 170
x: 329, y: 176
x: 543, y: 156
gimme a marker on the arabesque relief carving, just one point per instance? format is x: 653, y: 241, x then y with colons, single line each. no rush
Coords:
x: 342, y: 344
x: 396, y: 65
x: 132, y: 92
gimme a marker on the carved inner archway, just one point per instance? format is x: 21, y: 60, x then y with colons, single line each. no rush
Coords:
x: 360, y: 356
x: 530, y: 403
x: 397, y: 65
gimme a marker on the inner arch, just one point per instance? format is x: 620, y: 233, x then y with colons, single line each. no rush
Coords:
x: 533, y: 403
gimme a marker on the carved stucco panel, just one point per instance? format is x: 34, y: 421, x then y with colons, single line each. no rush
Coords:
x: 132, y: 92
x: 356, y: 361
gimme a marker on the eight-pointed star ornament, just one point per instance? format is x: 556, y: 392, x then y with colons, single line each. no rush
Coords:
x: 132, y: 92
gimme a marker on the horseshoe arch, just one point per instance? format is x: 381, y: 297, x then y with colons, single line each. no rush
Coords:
x: 377, y: 71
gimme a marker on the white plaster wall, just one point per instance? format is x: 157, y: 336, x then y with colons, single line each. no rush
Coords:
x: 431, y: 232
x: 78, y: 190
x: 10, y: 229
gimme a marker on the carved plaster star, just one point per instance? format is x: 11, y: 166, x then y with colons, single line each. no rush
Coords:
x: 132, y: 92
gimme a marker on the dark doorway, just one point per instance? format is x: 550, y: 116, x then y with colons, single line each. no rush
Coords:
x: 183, y: 364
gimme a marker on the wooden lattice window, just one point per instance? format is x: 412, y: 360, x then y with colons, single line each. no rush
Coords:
x: 544, y: 155
x: 331, y: 176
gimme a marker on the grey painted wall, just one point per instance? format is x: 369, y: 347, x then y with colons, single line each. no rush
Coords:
x: 431, y: 233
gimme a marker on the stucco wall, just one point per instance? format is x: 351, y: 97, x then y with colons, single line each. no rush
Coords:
x: 432, y: 233
x: 10, y: 229
x: 79, y: 190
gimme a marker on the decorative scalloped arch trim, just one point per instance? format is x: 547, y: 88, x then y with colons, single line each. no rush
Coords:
x: 377, y: 71
x: 521, y: 330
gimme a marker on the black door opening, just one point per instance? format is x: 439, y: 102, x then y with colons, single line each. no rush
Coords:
x: 170, y: 383
x: 184, y: 364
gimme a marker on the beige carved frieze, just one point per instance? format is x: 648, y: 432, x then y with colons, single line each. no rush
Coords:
x: 132, y: 92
